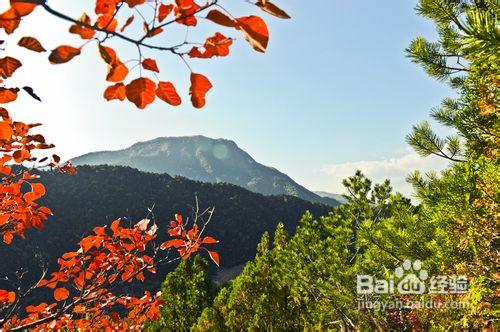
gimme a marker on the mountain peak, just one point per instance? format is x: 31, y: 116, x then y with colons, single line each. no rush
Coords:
x: 204, y: 159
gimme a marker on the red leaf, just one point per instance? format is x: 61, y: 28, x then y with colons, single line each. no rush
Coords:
x: 220, y: 18
x: 61, y: 294
x: 127, y: 23
x: 8, y: 95
x: 154, y: 32
x: 141, y: 92
x: 9, y: 21
x: 22, y: 8
x: 255, y: 31
x: 214, y: 256
x: 117, y: 71
x: 164, y: 11
x: 184, y: 12
x: 209, y: 240
x: 133, y: 3
x: 8, y: 66
x: 63, y: 54
x: 116, y: 91
x: 21, y: 155
x: 31, y: 44
x: 36, y: 309
x: 218, y: 45
x: 150, y: 64
x: 107, y: 54
x: 272, y: 9
x: 83, y: 32
x: 107, y: 22
x: 166, y: 92
x: 172, y: 243
x: 198, y: 90
x: 6, y: 131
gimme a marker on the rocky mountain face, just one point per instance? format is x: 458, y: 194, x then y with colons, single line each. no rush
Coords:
x: 204, y: 159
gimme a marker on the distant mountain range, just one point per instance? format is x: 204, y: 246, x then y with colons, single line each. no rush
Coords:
x: 339, y: 198
x: 204, y: 159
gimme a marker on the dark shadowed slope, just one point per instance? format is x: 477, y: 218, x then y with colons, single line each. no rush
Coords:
x: 97, y: 195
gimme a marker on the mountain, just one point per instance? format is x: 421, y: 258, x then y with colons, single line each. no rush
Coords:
x: 97, y: 195
x: 339, y: 198
x: 203, y: 159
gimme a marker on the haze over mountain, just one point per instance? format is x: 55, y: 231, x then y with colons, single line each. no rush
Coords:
x: 203, y: 159
x: 338, y: 197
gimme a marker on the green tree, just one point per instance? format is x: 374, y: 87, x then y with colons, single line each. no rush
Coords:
x: 186, y: 292
x: 462, y: 204
x: 255, y: 300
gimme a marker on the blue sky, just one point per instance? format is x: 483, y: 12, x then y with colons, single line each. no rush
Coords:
x: 333, y: 93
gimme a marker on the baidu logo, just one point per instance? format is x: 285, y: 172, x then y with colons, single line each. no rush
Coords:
x: 409, y: 278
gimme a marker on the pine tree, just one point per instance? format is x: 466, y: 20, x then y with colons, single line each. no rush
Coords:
x: 186, y: 292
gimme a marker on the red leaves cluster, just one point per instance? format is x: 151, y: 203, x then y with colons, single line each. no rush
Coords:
x: 218, y: 45
x: 190, y: 241
x: 6, y: 297
x: 19, y: 190
x: 106, y: 259
x: 142, y: 91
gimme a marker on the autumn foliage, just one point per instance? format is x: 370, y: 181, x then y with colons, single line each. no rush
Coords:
x: 85, y: 288
x: 111, y: 20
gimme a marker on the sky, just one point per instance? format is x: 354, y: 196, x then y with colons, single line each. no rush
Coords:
x: 333, y: 93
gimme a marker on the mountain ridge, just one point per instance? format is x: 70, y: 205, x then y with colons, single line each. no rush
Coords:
x: 204, y: 159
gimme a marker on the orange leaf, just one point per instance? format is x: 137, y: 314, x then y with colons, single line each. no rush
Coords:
x: 255, y: 31
x: 154, y: 32
x: 164, y: 11
x: 8, y: 66
x: 184, y: 12
x: 6, y: 131
x: 22, y: 8
x: 209, y: 240
x: 105, y: 6
x: 116, y: 91
x: 218, y: 45
x: 63, y: 54
x: 117, y: 72
x: 272, y: 9
x: 11, y: 297
x: 8, y: 95
x: 127, y: 23
x: 133, y: 3
x: 9, y: 21
x: 166, y: 92
x: 36, y: 309
x: 21, y: 155
x: 220, y: 18
x: 7, y: 237
x: 150, y: 64
x: 6, y: 296
x: 172, y: 243
x: 107, y: 54
x: 214, y: 256
x: 198, y: 90
x: 37, y: 191
x: 83, y: 32
x: 31, y: 44
x: 141, y: 92
x: 61, y: 294
x: 107, y: 22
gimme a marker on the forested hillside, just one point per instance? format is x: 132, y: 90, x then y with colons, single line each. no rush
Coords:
x: 97, y: 195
